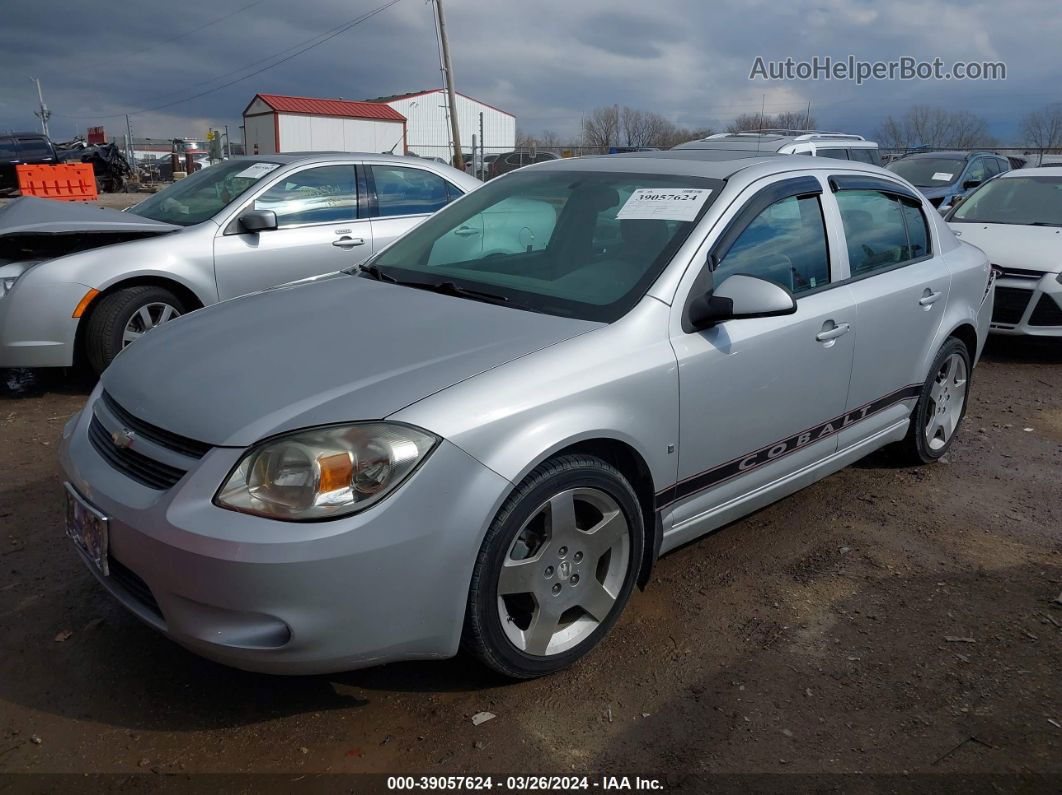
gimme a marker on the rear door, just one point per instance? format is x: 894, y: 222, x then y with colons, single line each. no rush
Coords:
x: 900, y: 287
x: 318, y: 231
x: 402, y: 196
x: 761, y: 398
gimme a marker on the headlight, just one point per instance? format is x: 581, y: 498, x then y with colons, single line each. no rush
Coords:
x: 322, y: 473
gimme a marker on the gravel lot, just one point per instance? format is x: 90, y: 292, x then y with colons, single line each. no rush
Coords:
x: 886, y: 619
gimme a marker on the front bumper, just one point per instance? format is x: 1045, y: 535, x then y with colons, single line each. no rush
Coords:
x: 291, y: 598
x: 36, y: 326
x: 1028, y: 304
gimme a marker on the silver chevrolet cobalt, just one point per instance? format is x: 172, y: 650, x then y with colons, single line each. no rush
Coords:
x: 466, y: 444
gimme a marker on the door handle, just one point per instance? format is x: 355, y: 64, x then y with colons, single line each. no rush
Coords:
x: 348, y: 242
x: 929, y: 297
x: 465, y: 231
x: 833, y: 333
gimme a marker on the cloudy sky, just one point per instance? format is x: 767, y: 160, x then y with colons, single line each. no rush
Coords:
x: 545, y: 61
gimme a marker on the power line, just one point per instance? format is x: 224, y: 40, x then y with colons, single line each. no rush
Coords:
x: 186, y: 33
x: 299, y: 49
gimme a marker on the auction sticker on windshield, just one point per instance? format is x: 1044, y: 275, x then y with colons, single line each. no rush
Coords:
x: 943, y: 176
x: 258, y: 170
x: 664, y: 204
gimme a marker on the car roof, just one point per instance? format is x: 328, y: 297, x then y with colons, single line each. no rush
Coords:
x: 946, y: 153
x: 295, y: 157
x: 769, y: 140
x: 703, y: 163
x: 1033, y: 171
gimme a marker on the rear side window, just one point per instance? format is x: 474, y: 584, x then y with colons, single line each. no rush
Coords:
x: 991, y: 166
x: 785, y: 244
x: 876, y: 230
x: 409, y: 191
x: 836, y: 154
x: 864, y: 155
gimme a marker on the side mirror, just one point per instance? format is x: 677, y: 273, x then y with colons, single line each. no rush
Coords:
x: 740, y: 296
x: 970, y: 184
x: 258, y: 220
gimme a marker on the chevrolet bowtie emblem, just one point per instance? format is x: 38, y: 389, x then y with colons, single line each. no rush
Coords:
x: 123, y: 438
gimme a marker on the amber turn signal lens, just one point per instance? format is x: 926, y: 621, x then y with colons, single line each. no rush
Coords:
x: 336, y: 472
x: 84, y: 302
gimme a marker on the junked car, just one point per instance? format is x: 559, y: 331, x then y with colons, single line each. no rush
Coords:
x: 1017, y: 220
x: 455, y: 446
x: 946, y: 177
x: 81, y: 281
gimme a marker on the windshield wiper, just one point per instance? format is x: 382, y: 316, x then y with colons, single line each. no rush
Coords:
x: 372, y: 271
x: 449, y: 288
x: 1042, y: 223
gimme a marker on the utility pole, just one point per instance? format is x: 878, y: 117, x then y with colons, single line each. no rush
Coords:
x: 43, y: 114
x: 228, y: 143
x: 482, y: 150
x: 459, y: 161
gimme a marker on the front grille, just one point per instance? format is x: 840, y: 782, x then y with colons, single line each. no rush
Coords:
x: 133, y: 585
x: 1019, y: 273
x: 137, y: 466
x: 163, y: 438
x: 1010, y: 305
x: 1046, y: 313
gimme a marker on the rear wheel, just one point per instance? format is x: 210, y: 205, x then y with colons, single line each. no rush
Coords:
x: 941, y: 406
x: 124, y: 316
x: 556, y: 568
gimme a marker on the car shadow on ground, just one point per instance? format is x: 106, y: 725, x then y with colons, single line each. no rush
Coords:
x: 1029, y: 350
x: 21, y: 382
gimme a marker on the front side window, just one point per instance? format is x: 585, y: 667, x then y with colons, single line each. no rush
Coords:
x: 409, y: 191
x: 205, y: 193
x: 876, y: 229
x: 578, y: 244
x: 785, y: 244
x: 977, y: 171
x: 320, y: 195
x: 1014, y: 200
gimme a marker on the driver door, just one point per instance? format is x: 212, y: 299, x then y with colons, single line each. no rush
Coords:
x: 318, y: 231
x: 762, y: 398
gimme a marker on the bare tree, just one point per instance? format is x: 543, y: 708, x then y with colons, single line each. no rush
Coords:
x: 601, y: 128
x: 933, y: 128
x: 1042, y: 129
x: 786, y: 120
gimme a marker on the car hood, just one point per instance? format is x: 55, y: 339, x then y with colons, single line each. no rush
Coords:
x: 1037, y: 248
x: 31, y: 215
x: 338, y: 348
x: 937, y: 191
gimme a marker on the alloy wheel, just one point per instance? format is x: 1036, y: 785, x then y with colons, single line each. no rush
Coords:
x: 146, y: 318
x: 947, y: 396
x: 564, y: 571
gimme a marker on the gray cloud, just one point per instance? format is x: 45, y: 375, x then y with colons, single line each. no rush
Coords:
x: 547, y: 62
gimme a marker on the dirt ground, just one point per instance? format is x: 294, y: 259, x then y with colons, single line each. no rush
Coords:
x: 885, y: 620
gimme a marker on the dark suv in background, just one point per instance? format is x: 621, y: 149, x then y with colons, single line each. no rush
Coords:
x: 943, y: 177
x: 510, y: 161
x: 23, y: 149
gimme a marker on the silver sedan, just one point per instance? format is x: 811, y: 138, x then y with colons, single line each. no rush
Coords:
x: 77, y: 281
x: 457, y: 446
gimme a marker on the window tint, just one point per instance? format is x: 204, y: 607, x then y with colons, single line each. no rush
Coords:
x: 837, y: 154
x: 785, y: 244
x: 1003, y: 163
x: 321, y: 195
x: 408, y: 191
x: 876, y: 231
x: 991, y: 166
x: 34, y: 148
x: 863, y: 155
x: 8, y: 150
x: 917, y: 229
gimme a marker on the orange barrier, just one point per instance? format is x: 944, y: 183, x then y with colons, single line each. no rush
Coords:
x: 72, y: 182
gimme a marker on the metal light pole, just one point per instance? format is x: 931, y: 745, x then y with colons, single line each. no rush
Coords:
x: 43, y: 114
x: 459, y: 161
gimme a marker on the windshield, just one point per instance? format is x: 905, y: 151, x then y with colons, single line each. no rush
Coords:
x: 1014, y: 200
x: 579, y: 244
x: 205, y: 193
x: 928, y: 172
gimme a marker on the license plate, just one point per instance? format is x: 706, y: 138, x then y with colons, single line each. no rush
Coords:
x: 87, y: 527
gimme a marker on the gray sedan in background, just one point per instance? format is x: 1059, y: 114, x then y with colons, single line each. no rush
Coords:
x: 77, y: 280
x: 453, y: 445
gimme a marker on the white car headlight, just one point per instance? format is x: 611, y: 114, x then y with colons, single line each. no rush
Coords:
x: 323, y: 473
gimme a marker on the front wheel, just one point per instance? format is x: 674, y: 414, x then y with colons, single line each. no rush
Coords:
x: 124, y: 316
x: 556, y: 568
x: 941, y: 405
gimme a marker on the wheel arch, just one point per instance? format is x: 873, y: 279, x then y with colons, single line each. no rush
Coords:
x: 967, y: 335
x: 187, y: 295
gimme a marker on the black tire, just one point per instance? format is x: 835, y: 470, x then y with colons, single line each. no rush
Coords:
x: 484, y: 635
x: 914, y: 448
x: 110, y: 316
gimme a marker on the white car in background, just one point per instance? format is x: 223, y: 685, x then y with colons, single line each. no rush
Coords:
x: 1016, y: 218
